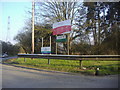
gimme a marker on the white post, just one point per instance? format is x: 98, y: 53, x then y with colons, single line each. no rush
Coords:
x: 68, y: 43
x: 50, y: 44
x: 33, y: 6
x: 56, y: 46
x: 42, y: 41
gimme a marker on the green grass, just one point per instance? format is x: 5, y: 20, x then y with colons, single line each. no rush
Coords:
x: 106, y: 67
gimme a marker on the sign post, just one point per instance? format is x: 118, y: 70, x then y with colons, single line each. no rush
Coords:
x: 68, y: 43
x: 63, y: 27
x: 50, y: 43
x: 56, y: 46
x: 42, y: 41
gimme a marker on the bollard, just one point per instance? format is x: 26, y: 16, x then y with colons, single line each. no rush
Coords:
x: 97, y: 71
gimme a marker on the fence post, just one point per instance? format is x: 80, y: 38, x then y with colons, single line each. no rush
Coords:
x: 24, y: 60
x: 97, y: 71
x: 48, y: 61
x: 80, y: 64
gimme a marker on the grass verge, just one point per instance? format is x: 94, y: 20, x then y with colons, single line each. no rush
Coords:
x: 89, y: 67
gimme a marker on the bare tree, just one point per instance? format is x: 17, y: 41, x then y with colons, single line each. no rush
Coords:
x: 59, y: 11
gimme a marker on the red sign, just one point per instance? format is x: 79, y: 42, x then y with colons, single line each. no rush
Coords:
x: 61, y: 27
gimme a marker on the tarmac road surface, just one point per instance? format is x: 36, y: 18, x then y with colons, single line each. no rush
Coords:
x: 14, y: 77
x: 6, y: 58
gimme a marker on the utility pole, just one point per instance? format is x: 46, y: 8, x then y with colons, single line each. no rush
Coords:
x: 8, y: 30
x: 33, y: 6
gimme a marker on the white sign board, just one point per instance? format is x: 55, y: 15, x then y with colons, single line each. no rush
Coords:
x: 45, y: 50
x: 62, y: 27
x: 61, y: 37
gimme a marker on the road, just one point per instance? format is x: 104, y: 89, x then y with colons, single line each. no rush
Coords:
x: 14, y: 77
x: 6, y: 58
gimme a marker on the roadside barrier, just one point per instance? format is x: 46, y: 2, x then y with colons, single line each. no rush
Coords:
x: 72, y: 57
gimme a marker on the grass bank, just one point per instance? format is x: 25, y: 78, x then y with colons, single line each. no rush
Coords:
x: 106, y: 67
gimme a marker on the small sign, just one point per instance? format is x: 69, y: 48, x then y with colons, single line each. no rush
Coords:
x: 61, y: 38
x: 45, y: 50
